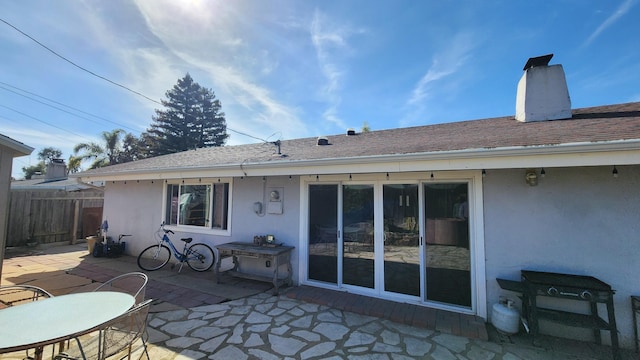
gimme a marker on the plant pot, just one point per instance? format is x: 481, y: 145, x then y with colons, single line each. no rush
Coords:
x: 91, y: 243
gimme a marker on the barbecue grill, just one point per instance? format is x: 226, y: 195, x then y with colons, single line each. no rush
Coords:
x: 578, y: 287
x: 569, y: 287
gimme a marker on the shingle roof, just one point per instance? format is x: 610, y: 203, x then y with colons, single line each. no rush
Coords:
x: 18, y: 148
x: 41, y: 184
x: 588, y: 125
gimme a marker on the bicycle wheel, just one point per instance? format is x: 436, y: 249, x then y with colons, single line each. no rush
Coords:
x: 154, y: 257
x: 200, y: 257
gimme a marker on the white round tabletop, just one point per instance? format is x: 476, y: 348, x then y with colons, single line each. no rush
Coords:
x: 59, y: 317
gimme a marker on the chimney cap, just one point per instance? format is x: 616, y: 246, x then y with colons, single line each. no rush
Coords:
x: 538, y: 61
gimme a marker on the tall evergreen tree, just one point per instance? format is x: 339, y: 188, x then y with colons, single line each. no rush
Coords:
x: 191, y: 119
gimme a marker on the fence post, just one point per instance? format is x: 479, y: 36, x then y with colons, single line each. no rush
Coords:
x: 76, y: 221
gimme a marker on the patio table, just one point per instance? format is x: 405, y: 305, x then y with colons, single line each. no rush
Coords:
x: 275, y: 255
x: 39, y: 323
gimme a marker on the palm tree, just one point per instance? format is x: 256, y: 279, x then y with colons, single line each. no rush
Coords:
x: 101, y: 155
x: 74, y: 164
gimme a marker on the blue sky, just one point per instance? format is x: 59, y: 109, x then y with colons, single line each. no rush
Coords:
x: 286, y: 69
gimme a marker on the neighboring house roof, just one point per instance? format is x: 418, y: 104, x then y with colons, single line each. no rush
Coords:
x: 42, y: 184
x: 601, y: 128
x: 19, y: 149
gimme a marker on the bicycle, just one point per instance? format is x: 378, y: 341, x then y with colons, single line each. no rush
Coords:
x: 199, y: 257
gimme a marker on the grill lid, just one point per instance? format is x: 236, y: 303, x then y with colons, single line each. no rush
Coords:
x: 567, y: 280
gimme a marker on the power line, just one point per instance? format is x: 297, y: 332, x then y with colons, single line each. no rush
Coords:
x: 78, y: 66
x: 61, y: 104
x: 87, y: 113
x: 36, y: 119
x: 106, y: 79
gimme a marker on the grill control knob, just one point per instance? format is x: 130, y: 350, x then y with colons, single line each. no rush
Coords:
x: 552, y: 291
x: 586, y: 295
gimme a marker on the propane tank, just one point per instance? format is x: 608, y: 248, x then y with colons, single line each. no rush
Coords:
x: 505, y: 317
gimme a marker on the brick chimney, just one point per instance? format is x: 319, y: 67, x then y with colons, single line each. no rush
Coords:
x: 542, y: 92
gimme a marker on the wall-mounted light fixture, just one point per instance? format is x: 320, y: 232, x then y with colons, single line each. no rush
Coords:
x: 542, y: 173
x: 484, y: 173
x: 531, y: 177
x: 615, y: 172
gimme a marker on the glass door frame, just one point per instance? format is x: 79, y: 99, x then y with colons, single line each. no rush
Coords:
x: 476, y: 233
x: 381, y: 233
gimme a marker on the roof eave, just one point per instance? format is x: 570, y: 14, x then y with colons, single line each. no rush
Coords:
x: 619, y: 152
x: 18, y: 148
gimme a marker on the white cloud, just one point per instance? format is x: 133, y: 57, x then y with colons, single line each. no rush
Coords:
x: 198, y: 37
x: 622, y: 10
x: 38, y: 139
x: 444, y: 65
x: 269, y: 114
x: 329, y: 40
x: 442, y: 78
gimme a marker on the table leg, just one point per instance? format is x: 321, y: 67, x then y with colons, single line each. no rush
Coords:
x: 236, y: 264
x: 594, y: 313
x: 38, y: 353
x: 613, y: 329
x: 217, y: 269
x: 532, y: 315
x: 275, y: 274
x: 289, y: 271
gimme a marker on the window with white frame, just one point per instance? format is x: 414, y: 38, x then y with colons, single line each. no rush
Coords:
x: 204, y: 205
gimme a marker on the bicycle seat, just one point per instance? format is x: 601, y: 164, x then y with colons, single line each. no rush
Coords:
x: 187, y: 240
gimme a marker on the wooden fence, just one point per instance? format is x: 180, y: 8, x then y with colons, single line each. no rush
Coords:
x: 49, y: 216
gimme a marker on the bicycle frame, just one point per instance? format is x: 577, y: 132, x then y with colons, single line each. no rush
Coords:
x: 199, y: 257
x: 180, y: 256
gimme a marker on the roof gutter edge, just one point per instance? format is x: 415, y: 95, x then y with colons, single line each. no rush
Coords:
x: 471, y: 154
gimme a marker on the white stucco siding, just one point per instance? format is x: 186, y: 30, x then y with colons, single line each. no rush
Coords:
x: 133, y: 208
x: 576, y: 220
x: 137, y: 208
x: 245, y: 223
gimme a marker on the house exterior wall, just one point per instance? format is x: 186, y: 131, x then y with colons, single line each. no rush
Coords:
x: 246, y: 223
x: 576, y: 220
x: 6, y: 159
x: 133, y: 208
x: 136, y: 208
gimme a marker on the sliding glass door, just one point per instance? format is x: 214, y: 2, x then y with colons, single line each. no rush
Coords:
x: 406, y: 240
x: 323, y: 233
x: 447, y: 258
x: 401, y: 239
x: 358, y: 261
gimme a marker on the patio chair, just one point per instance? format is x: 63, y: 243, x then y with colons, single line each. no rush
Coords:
x: 11, y: 295
x: 133, y: 283
x: 113, y: 338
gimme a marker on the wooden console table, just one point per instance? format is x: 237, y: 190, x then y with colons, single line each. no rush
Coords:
x: 276, y: 255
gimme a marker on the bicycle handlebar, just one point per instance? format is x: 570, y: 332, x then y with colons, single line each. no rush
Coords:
x: 165, y: 230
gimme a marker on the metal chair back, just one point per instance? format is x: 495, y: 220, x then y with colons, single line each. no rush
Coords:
x: 11, y: 295
x: 114, y: 337
x: 133, y: 283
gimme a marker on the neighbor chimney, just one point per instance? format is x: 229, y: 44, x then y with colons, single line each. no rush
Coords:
x: 56, y: 170
x: 542, y: 92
